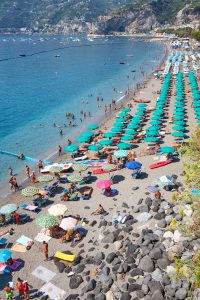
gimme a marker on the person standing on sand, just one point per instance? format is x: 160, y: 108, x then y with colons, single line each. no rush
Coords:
x: 40, y: 165
x: 10, y: 171
x: 19, y: 287
x: 27, y: 171
x: 25, y: 289
x: 9, y: 292
x: 45, y: 249
x: 33, y: 177
x: 59, y: 150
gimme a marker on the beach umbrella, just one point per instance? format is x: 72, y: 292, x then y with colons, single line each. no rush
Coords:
x: 116, y: 129
x: 95, y: 147
x: 88, y: 134
x: 75, y: 178
x: 46, y: 221
x: 110, y: 134
x: 152, y: 133
x: 121, y: 125
x: 139, y: 113
x: 177, y: 118
x: 127, y: 138
x: 71, y: 148
x: 45, y: 178
x: 155, y: 122
x: 68, y: 223
x: 133, y: 126
x: 125, y: 109
x: 57, y: 209
x: 142, y: 108
x: 109, y: 167
x: 120, y: 120
x: 93, y: 126
x: 178, y: 134
x: 104, y: 184
x: 105, y: 142
x: 167, y: 149
x: 132, y: 165
x: 155, y: 118
x: 122, y: 114
x: 120, y: 153
x: 124, y: 146
x: 130, y: 132
x: 83, y: 139
x: 30, y: 191
x: 79, y: 167
x: 55, y: 169
x: 8, y: 209
x: 182, y: 123
x: 154, y: 127
x: 151, y: 139
x: 5, y: 255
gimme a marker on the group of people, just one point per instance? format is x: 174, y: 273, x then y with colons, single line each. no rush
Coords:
x: 66, y: 196
x: 22, y: 288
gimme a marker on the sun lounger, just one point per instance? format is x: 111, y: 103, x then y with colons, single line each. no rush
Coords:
x: 19, y: 248
x: 52, y: 188
x: 86, y: 179
x: 64, y: 256
x: 40, y: 203
x: 86, y: 194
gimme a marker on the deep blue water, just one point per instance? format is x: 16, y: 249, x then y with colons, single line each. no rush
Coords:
x: 41, y: 88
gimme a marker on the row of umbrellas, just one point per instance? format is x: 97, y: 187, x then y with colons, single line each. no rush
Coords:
x: 195, y: 95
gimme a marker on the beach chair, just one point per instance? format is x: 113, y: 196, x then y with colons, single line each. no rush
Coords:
x: 73, y: 197
x: 86, y: 194
x: 24, y: 218
x: 86, y: 179
x: 40, y: 203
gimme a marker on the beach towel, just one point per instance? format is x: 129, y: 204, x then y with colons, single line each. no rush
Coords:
x: 64, y: 256
x: 18, y: 248
x: 152, y: 189
x: 43, y: 273
x: 52, y: 291
x: 16, y: 264
x: 117, y: 219
x: 24, y: 240
x: 40, y: 237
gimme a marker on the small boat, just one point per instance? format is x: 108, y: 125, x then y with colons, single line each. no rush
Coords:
x: 160, y: 164
x: 133, y: 71
x: 57, y: 55
x: 122, y: 62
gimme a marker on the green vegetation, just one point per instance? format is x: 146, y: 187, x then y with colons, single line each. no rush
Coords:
x: 183, y: 32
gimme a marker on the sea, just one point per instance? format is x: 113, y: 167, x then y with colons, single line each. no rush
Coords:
x: 44, y: 77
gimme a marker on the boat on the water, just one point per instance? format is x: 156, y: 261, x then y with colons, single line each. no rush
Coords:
x: 122, y: 62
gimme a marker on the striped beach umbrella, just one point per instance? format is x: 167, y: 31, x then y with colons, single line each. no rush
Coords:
x: 30, y: 191
x: 75, y: 178
x: 55, y: 169
x: 57, y: 209
x: 45, y: 178
x: 46, y: 221
x: 79, y: 167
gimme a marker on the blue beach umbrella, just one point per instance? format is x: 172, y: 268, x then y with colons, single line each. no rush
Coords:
x: 132, y: 165
x: 133, y: 126
x: 5, y: 255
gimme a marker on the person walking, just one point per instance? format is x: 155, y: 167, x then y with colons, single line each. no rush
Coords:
x: 59, y: 150
x: 9, y: 291
x: 33, y: 177
x: 25, y: 289
x: 19, y: 287
x: 27, y: 171
x: 45, y: 249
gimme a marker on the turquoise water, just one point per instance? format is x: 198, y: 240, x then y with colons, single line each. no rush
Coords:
x: 38, y: 90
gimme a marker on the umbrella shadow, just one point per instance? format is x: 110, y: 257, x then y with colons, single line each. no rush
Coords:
x: 93, y: 179
x: 117, y: 178
x: 4, y: 280
x: 143, y: 175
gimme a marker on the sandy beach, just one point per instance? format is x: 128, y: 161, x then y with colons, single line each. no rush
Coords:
x: 95, y: 250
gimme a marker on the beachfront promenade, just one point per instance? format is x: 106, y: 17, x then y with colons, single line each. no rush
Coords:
x: 123, y: 253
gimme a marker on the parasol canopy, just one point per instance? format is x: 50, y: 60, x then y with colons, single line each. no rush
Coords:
x: 57, y: 209
x: 46, y: 221
x: 68, y: 223
x: 30, y: 191
x: 104, y: 184
x: 8, y: 209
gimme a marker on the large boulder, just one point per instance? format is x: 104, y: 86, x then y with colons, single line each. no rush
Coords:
x: 75, y: 281
x: 146, y: 264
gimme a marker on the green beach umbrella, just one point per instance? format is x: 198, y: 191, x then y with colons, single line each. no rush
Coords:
x: 116, y: 129
x: 178, y: 134
x: 46, y: 221
x: 179, y: 128
x: 120, y: 120
x: 45, y: 178
x: 176, y: 118
x: 124, y: 146
x: 130, y: 132
x: 133, y: 126
x: 79, y: 167
x: 83, y: 139
x: 125, y: 109
x: 154, y: 127
x: 151, y: 139
x: 71, y: 148
x: 110, y: 134
x: 141, y: 108
x: 182, y: 123
x: 105, y: 142
x: 123, y: 114
x: 55, y: 169
x: 167, y: 149
x: 155, y: 118
x: 109, y: 167
x: 75, y: 178
x: 95, y: 147
x: 139, y: 113
x: 152, y: 133
x: 93, y: 126
x: 120, y: 153
x: 127, y: 138
x: 87, y: 134
x: 155, y: 122
x: 118, y: 125
x: 30, y: 191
